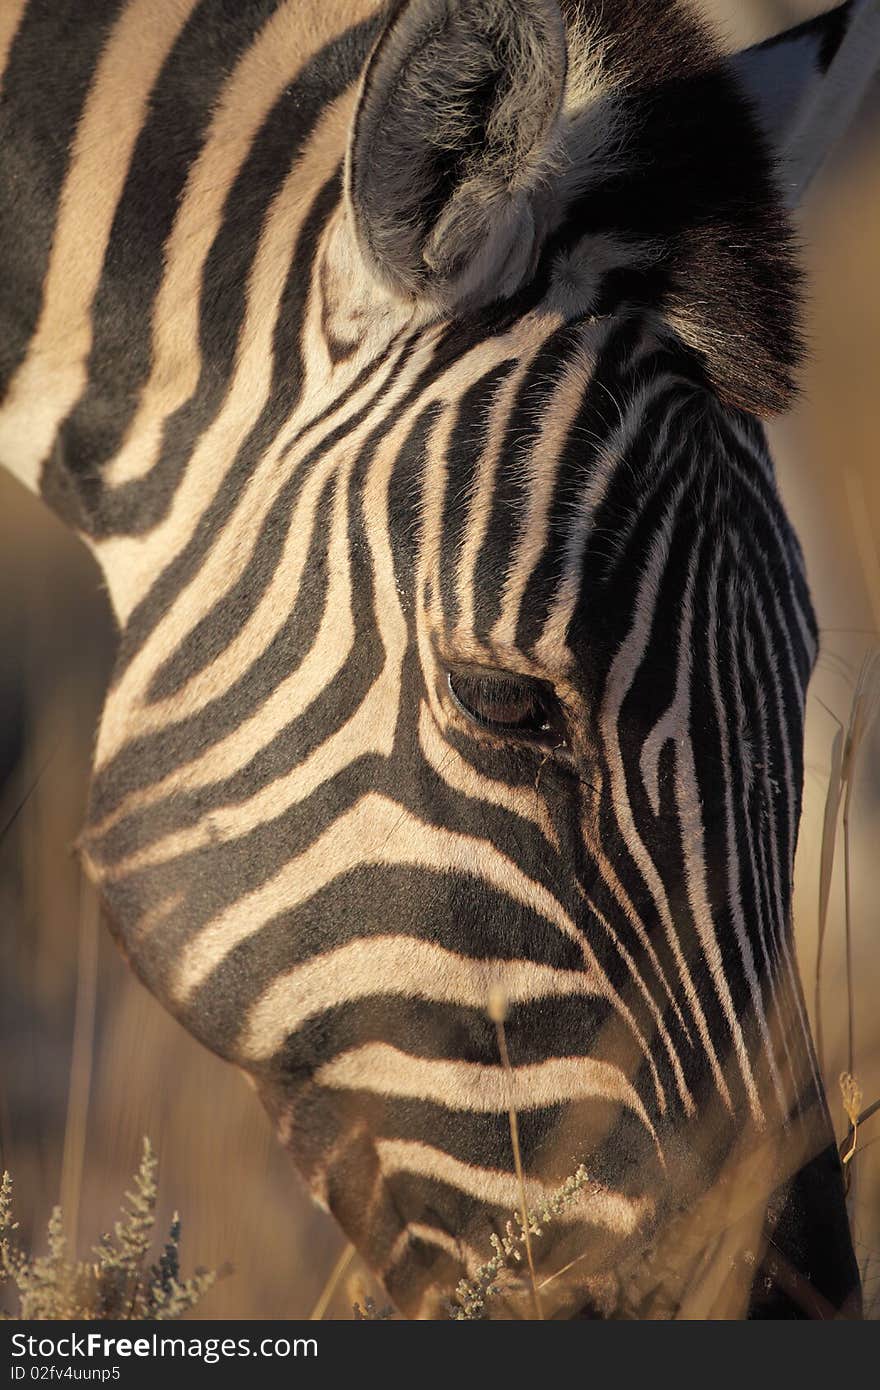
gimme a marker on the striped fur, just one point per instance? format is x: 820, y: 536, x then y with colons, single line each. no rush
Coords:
x: 358, y: 416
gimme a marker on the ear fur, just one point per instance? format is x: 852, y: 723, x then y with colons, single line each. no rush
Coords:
x: 496, y: 139
x: 693, y: 192
x: 454, y: 141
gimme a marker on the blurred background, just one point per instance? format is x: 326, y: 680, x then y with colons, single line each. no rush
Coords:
x: 89, y: 1064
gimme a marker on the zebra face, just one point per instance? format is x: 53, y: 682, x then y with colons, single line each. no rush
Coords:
x: 452, y: 766
x: 517, y: 728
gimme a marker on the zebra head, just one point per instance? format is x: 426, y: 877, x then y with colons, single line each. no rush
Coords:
x: 449, y: 780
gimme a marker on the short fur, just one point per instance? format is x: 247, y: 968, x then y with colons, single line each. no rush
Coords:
x: 379, y: 353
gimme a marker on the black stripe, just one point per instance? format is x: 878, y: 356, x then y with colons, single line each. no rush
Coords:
x: 597, y: 417
x: 464, y: 454
x: 222, y: 623
x: 146, y: 760
x: 50, y: 66
x: 367, y: 901
x: 406, y: 506
x: 185, y: 566
x: 182, y: 101
x: 553, y: 1139
x: 120, y: 359
x: 541, y: 1029
x: 510, y: 494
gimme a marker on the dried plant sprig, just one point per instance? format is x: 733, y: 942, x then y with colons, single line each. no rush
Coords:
x: 498, y: 1014
x: 121, y: 1256
x: 8, y: 1227
x: 118, y: 1284
x: 371, y: 1313
x: 471, y: 1294
x: 852, y: 1095
x: 167, y: 1296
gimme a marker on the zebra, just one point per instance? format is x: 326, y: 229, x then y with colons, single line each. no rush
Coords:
x: 402, y: 365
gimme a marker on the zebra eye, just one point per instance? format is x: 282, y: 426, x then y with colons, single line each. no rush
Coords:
x: 508, y: 704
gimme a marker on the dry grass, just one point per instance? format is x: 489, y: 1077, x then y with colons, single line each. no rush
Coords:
x: 117, y: 1283
x: 88, y: 1061
x: 498, y: 1013
x: 527, y: 1223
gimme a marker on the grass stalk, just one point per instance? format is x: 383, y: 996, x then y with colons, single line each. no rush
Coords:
x: 81, y: 1062
x: 497, y: 1013
x: 333, y: 1279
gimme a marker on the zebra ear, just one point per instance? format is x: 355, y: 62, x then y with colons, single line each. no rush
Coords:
x: 454, y: 139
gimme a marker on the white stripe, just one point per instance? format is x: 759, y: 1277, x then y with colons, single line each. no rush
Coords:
x: 475, y: 1087
x: 397, y: 965
x: 597, y: 1206
x: 54, y: 373
x: 621, y: 676
x: 734, y: 898
x: 375, y: 831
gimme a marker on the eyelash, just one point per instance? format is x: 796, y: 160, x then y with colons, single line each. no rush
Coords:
x: 475, y: 693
